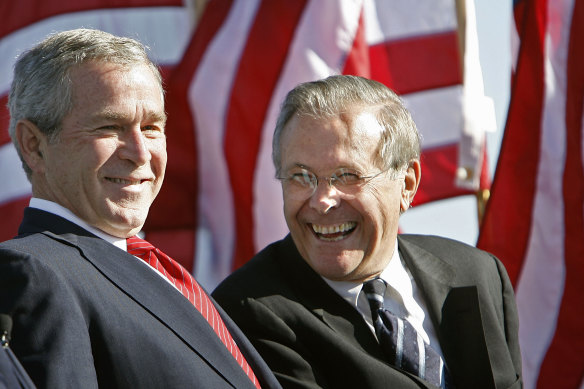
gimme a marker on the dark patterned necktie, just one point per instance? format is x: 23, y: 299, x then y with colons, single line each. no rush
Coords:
x: 403, y: 345
x: 190, y: 288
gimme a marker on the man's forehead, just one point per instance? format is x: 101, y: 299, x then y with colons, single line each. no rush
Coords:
x: 365, y: 124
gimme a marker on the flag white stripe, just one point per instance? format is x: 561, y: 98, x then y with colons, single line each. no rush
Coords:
x: 209, y: 98
x: 14, y: 182
x: 393, y: 19
x: 543, y: 274
x: 153, y: 26
x: 437, y: 114
x: 478, y: 110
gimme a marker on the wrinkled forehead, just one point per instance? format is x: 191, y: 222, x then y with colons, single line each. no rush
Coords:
x: 343, y: 139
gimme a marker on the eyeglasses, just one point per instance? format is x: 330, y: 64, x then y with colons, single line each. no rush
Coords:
x: 302, y: 183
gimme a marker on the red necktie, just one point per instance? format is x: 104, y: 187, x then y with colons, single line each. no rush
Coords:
x: 189, y: 287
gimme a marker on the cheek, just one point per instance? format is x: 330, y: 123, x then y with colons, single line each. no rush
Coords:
x: 99, y: 153
x: 159, y: 155
x: 380, y: 209
x: 162, y: 158
x: 290, y: 210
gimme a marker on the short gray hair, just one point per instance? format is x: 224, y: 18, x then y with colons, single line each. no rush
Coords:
x: 400, y: 140
x: 41, y: 88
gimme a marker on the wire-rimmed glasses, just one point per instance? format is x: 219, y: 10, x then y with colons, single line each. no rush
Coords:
x: 301, y: 183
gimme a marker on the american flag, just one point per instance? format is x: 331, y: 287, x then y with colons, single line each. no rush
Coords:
x: 534, y: 220
x: 226, y: 74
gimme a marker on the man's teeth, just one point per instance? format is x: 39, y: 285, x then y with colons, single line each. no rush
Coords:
x: 124, y: 182
x: 325, y: 230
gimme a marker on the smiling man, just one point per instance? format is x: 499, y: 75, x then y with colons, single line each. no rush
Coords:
x: 346, y: 302
x: 92, y: 304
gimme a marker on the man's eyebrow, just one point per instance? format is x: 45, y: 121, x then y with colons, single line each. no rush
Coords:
x: 158, y: 117
x: 116, y: 116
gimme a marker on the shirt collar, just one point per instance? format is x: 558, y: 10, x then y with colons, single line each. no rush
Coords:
x: 56, y: 209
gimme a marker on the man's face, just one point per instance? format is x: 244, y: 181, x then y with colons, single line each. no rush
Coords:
x: 367, y: 218
x: 108, y: 162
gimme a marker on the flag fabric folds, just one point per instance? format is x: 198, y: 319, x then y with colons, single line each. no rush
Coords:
x: 534, y: 220
x: 246, y: 55
x: 225, y: 80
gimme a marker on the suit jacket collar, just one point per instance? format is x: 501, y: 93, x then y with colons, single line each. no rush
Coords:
x: 454, y: 310
x: 432, y: 275
x: 125, y: 272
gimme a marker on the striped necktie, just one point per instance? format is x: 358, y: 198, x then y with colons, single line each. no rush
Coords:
x: 404, y: 346
x: 190, y: 288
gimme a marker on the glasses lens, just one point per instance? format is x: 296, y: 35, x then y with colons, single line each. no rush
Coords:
x: 300, y: 184
x: 344, y: 178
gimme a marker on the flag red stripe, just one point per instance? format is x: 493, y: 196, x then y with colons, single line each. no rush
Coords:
x: 11, y: 217
x: 417, y: 63
x: 568, y: 340
x: 178, y: 244
x: 513, y: 188
x: 178, y: 196
x: 257, y: 75
x: 358, y: 63
x: 16, y: 15
x: 179, y: 192
x: 438, y: 175
x: 4, y: 121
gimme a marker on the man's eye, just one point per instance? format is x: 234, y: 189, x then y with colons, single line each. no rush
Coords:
x: 301, y: 178
x: 347, y: 177
x: 152, y: 130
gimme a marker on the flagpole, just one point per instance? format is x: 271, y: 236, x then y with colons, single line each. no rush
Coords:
x: 482, y: 196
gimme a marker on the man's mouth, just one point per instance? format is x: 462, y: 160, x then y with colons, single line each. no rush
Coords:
x: 334, y: 232
x: 124, y: 181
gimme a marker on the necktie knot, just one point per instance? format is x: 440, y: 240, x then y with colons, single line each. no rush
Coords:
x: 138, y: 247
x: 375, y: 291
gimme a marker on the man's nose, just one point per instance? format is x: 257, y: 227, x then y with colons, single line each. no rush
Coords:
x: 325, y: 197
x: 135, y: 147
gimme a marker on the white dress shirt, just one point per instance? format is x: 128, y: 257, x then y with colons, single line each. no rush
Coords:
x: 56, y: 209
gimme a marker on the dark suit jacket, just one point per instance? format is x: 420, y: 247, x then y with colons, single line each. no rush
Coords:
x: 311, y: 337
x: 87, y: 314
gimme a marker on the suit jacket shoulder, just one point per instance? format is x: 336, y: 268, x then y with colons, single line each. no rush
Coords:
x: 297, y: 322
x: 309, y: 336
x: 87, y: 314
x: 472, y: 304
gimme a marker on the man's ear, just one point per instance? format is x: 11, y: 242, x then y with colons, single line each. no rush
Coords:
x: 32, y: 144
x: 410, y: 184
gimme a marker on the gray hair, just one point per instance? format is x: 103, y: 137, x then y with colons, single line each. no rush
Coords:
x: 41, y: 88
x: 332, y: 96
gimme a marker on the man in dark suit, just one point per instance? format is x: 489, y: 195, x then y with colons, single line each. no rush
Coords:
x: 88, y: 120
x: 346, y: 302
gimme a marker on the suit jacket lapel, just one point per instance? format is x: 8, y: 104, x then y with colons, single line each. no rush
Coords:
x: 331, y: 308
x: 455, y: 314
x: 128, y: 274
x: 324, y: 302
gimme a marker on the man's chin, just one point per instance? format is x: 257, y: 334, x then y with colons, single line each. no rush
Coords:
x: 124, y: 225
x: 334, y: 267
